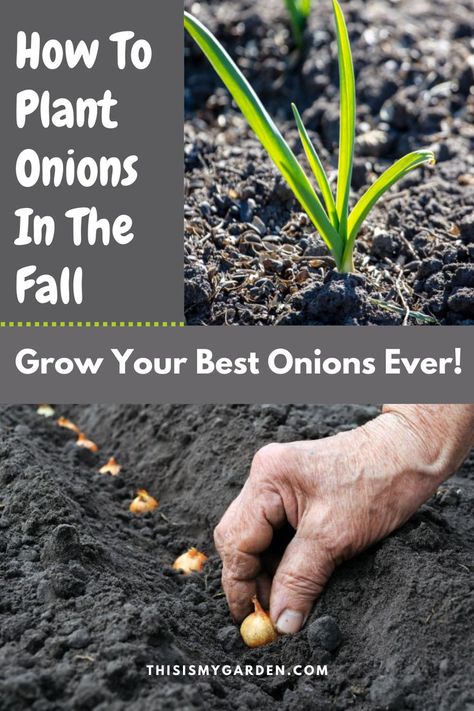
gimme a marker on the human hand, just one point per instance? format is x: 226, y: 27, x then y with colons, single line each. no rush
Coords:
x: 339, y: 494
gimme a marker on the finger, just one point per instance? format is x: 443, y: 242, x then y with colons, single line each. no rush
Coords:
x: 240, y: 594
x: 264, y: 586
x: 244, y: 532
x: 299, y: 580
x: 239, y: 580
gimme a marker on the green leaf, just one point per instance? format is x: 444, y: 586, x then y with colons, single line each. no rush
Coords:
x: 347, y: 120
x: 266, y: 131
x: 305, y: 8
x: 317, y: 168
x: 295, y: 19
x: 299, y: 11
x: 398, y: 170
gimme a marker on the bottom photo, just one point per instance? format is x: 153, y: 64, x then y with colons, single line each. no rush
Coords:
x: 236, y: 557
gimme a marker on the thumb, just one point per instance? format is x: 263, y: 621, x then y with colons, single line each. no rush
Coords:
x: 299, y: 580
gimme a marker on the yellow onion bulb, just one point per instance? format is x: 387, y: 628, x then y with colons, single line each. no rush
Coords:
x: 112, y: 467
x: 45, y: 410
x: 143, y: 502
x: 68, y: 425
x: 190, y: 562
x: 257, y: 629
x: 86, y: 443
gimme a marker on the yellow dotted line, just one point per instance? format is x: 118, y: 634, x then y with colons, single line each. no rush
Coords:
x: 92, y: 324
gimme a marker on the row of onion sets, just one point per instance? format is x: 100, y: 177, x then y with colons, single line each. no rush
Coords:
x: 257, y: 629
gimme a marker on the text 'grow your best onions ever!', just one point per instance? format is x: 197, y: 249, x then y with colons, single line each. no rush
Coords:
x: 280, y: 361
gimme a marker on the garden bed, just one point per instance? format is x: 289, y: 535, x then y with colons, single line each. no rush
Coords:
x: 85, y: 607
x: 251, y: 255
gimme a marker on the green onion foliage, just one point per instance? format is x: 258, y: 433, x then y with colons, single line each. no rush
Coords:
x: 337, y: 226
x: 299, y: 12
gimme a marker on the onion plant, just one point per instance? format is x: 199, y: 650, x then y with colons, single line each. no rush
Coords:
x: 299, y: 12
x: 336, y: 224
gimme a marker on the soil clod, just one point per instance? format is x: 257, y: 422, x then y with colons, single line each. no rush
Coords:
x: 324, y: 632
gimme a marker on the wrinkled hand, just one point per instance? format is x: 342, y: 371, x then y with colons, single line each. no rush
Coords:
x: 339, y: 494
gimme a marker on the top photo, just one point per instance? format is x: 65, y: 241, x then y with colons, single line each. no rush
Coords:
x: 329, y: 162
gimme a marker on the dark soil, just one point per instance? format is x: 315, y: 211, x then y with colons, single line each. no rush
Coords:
x: 88, y: 597
x: 251, y: 255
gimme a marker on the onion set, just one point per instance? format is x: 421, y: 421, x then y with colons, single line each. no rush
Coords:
x: 68, y: 425
x: 143, y: 502
x: 45, y: 410
x: 190, y: 562
x: 86, y: 443
x: 257, y: 629
x: 112, y: 467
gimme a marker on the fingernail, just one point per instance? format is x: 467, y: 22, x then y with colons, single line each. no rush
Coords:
x: 289, y: 622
